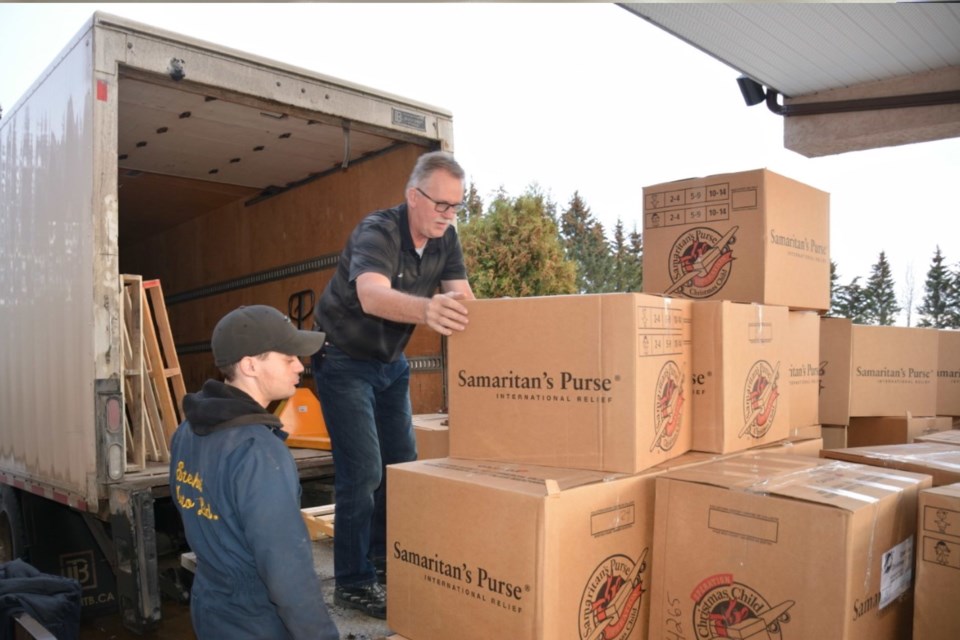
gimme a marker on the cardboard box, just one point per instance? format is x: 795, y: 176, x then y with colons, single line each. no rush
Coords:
x: 772, y: 546
x: 740, y: 375
x: 936, y: 615
x: 948, y: 373
x: 596, y: 382
x: 942, y: 461
x: 951, y: 436
x: 432, y: 431
x: 517, y: 551
x: 810, y: 447
x: 791, y: 446
x: 876, y: 371
x: 803, y: 359
x: 866, y: 432
x: 753, y: 236
x: 834, y: 436
x: 806, y: 433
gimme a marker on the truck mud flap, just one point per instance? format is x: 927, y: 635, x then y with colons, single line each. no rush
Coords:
x: 134, y: 536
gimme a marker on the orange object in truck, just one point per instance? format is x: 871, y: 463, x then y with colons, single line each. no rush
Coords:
x: 303, y: 420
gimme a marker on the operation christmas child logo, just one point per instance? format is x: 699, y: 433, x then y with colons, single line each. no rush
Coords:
x: 700, y: 262
x: 760, y: 394
x: 728, y: 609
x: 610, y: 605
x: 668, y: 405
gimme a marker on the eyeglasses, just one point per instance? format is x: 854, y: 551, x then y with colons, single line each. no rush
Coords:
x: 440, y: 206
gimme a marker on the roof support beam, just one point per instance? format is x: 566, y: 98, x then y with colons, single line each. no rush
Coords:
x: 855, y: 129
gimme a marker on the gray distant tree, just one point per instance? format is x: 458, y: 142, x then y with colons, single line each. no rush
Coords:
x: 934, y: 310
x: 880, y: 298
x: 908, y: 291
x: 586, y: 245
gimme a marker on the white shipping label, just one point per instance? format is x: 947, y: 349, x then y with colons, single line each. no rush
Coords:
x: 896, y: 572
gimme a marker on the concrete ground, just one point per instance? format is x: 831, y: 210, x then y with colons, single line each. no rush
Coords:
x: 353, y: 625
x: 175, y: 624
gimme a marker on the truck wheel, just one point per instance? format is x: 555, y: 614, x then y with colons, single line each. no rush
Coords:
x: 11, y: 525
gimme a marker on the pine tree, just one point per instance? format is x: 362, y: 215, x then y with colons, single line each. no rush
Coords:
x: 850, y: 302
x: 515, y: 249
x: 834, y: 290
x: 636, y: 250
x: 933, y: 309
x: 953, y: 299
x: 627, y: 268
x: 586, y: 244
x: 474, y: 205
x: 881, y: 300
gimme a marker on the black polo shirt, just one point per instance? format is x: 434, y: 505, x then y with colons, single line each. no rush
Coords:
x: 382, y: 243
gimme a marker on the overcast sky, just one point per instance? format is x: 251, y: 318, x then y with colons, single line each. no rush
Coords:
x: 572, y: 97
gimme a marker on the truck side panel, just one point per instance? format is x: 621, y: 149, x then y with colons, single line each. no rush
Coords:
x: 48, y: 366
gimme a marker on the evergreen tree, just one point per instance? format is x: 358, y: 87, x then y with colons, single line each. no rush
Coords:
x: 933, y: 309
x: 515, y: 250
x: 880, y: 298
x: 627, y: 268
x: 474, y: 205
x: 953, y: 299
x: 850, y: 302
x: 834, y: 289
x: 586, y: 245
x: 636, y: 250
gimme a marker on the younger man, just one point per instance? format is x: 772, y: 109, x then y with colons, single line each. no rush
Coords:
x: 236, y: 486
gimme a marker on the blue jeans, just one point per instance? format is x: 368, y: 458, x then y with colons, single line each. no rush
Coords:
x: 366, y: 407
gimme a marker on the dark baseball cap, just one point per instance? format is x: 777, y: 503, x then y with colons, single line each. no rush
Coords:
x: 256, y: 329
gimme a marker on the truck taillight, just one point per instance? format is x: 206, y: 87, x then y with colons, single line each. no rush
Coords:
x: 114, y: 422
x: 113, y: 415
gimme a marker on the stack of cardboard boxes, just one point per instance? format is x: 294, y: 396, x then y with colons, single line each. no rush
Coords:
x: 617, y: 462
x: 766, y: 546
x: 938, y: 564
x: 937, y: 456
x: 879, y: 384
x: 760, y: 242
x: 948, y: 374
x: 752, y: 250
x: 889, y: 397
x: 541, y: 524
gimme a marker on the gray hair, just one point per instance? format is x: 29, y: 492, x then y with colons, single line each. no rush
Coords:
x: 429, y: 163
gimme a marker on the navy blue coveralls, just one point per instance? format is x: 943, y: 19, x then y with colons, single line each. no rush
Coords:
x: 236, y: 487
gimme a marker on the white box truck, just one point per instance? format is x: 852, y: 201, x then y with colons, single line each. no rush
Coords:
x: 229, y: 178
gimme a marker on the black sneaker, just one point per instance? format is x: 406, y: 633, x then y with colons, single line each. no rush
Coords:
x: 382, y: 576
x: 370, y: 599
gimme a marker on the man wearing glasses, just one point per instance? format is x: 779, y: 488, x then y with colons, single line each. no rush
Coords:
x: 386, y: 283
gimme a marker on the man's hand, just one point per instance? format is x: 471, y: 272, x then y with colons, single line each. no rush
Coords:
x: 444, y: 314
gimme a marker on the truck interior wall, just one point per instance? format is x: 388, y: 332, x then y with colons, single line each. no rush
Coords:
x: 238, y: 240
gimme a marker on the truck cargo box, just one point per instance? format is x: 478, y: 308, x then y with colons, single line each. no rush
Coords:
x: 230, y: 178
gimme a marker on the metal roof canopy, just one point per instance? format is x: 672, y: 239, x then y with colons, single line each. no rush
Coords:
x: 852, y: 66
